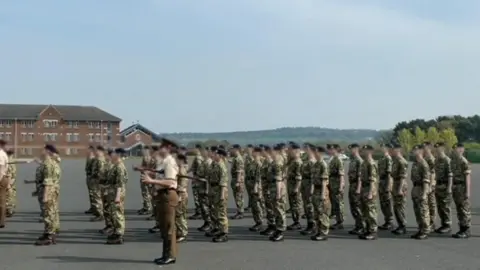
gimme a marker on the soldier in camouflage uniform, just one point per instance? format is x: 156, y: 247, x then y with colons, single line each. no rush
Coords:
x: 461, y: 191
x: 197, y: 161
x: 219, y: 190
x: 98, y: 171
x: 201, y: 172
x: 369, y: 193
x: 210, y: 169
x: 88, y: 173
x: 294, y: 183
x: 279, y: 193
x: 116, y: 183
x: 385, y: 186
x: 399, y: 189
x: 267, y: 195
x: 354, y: 190
x: 11, y: 198
x: 336, y: 185
x: 50, y: 175
x: 307, y: 173
x: 104, y: 189
x: 148, y: 162
x: 156, y: 164
x: 320, y: 198
x: 248, y: 159
x: 420, y: 175
x: 443, y: 189
x: 238, y: 179
x: 182, y: 207
x: 257, y: 210
x: 432, y: 202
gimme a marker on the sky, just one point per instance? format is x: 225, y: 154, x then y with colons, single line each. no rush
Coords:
x: 236, y: 65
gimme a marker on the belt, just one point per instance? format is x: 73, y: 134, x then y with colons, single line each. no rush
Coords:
x: 165, y: 191
x: 318, y: 186
x: 458, y: 182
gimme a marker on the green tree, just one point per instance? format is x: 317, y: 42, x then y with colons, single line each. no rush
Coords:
x: 420, y: 135
x: 406, y: 139
x: 448, y: 137
x: 433, y: 135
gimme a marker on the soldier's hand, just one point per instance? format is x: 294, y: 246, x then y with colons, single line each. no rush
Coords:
x: 370, y: 196
x: 117, y: 200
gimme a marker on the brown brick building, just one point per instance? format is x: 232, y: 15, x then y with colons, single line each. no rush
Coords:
x: 27, y: 128
x: 134, y: 137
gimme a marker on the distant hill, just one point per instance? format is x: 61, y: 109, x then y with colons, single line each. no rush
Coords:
x: 299, y: 134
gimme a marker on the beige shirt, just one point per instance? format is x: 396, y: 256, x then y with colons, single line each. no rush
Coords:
x: 170, y: 167
x: 3, y: 163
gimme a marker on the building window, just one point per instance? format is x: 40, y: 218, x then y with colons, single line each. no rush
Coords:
x: 50, y: 123
x: 72, y: 124
x: 1, y: 135
x: 26, y: 151
x: 68, y: 138
x: 91, y: 137
x: 90, y: 124
x: 98, y: 125
x: 50, y: 137
x: 23, y: 136
x: 28, y: 124
x: 74, y: 151
x: 8, y: 136
x: 76, y: 137
x: 98, y: 137
x: 30, y: 137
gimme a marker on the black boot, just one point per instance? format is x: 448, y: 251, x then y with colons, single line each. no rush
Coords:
x: 444, y: 229
x: 256, y: 228
x: 212, y: 233
x: 154, y: 229
x: 268, y: 231
x: 205, y: 227
x: 356, y: 231
x: 400, y: 230
x: 387, y: 226
x: 319, y: 237
x: 337, y: 226
x: 464, y: 233
x: 277, y: 236
x: 220, y: 238
x: 309, y: 229
x: 295, y: 226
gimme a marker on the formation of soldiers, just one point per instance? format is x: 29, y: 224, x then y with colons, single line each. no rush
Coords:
x: 311, y: 179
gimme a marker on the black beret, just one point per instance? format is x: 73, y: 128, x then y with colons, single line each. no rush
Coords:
x: 257, y: 149
x: 277, y: 147
x: 387, y: 145
x: 295, y: 146
x: 427, y: 143
x: 439, y: 144
x: 213, y: 148
x: 100, y: 148
x: 155, y: 148
x: 330, y: 146
x: 249, y: 145
x: 353, y: 145
x: 198, y: 146
x: 182, y: 157
x: 183, y: 148
x: 51, y: 148
x: 267, y: 148
x: 368, y: 147
x: 110, y: 151
x: 90, y: 147
x: 282, y: 145
x: 119, y: 151
x: 222, y: 152
x: 236, y: 146
x: 396, y: 146
x: 10, y: 152
x: 3, y: 142
x: 261, y: 145
x: 337, y: 147
x: 418, y: 147
x: 221, y: 147
x: 291, y: 143
x: 321, y: 149
x: 458, y: 145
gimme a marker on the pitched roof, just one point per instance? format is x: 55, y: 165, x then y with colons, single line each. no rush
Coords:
x: 143, y: 129
x: 68, y: 112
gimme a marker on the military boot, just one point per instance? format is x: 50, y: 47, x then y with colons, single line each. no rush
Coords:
x: 387, y: 226
x: 89, y: 211
x: 319, y: 237
x: 464, y: 233
x: 295, y: 226
x: 195, y: 216
x: 369, y: 236
x: 10, y: 214
x: 256, y: 228
x: 212, y: 233
x: 337, y: 226
x: 45, y: 240
x: 115, y: 239
x: 144, y: 211
x: 166, y: 258
x: 152, y: 217
x: 309, y: 229
x: 106, y: 231
x: 205, y: 227
x: 420, y: 236
x: 400, y: 230
x: 220, y: 238
x: 444, y: 229
x: 356, y: 231
x: 269, y: 230
x: 277, y: 236
x: 154, y: 229
x: 97, y: 218
x: 237, y: 216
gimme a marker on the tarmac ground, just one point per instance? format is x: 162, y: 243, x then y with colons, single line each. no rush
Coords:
x: 81, y: 247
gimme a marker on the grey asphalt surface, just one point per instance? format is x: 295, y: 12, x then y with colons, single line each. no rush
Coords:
x: 81, y: 247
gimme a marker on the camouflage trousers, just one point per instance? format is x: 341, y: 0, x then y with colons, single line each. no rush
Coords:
x: 444, y: 204
x: 11, y: 199
x: 204, y: 204
x: 51, y: 214
x: 420, y: 208
x: 369, y: 212
x: 196, y: 199
x: 386, y: 201
x: 153, y: 193
x: 307, y: 202
x: 219, y: 209
x: 337, y: 200
x: 432, y: 206
x: 462, y: 204
x: 181, y: 215
x: 295, y: 201
x: 322, y: 208
x: 355, y: 201
x: 269, y: 206
x: 238, y: 195
x: 146, y: 191
x: 116, y: 211
x: 211, y: 208
x: 279, y: 207
x: 400, y: 203
x: 95, y: 195
x: 106, y: 197
x: 41, y: 204
x: 257, y: 209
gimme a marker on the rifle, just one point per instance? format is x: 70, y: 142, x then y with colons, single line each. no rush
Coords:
x: 143, y: 170
x: 29, y: 181
x: 20, y: 162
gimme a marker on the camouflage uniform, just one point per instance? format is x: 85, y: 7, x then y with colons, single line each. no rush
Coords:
x: 293, y: 178
x: 268, y: 197
x: 117, y: 179
x: 105, y: 189
x: 354, y: 173
x: 399, y: 176
x: 146, y: 189
x: 211, y: 170
x: 88, y: 172
x: 203, y: 196
x: 432, y: 202
x: 307, y: 172
x: 336, y: 170
x: 11, y: 199
x: 385, y: 167
x: 443, y: 173
x: 197, y: 162
x: 238, y: 167
x: 257, y: 200
x: 51, y: 173
x: 279, y: 204
x: 320, y: 197
x: 249, y: 178
x: 369, y: 205
x: 39, y: 189
x: 420, y: 175
x: 219, y: 183
x: 98, y: 171
x: 461, y: 169
x: 181, y: 209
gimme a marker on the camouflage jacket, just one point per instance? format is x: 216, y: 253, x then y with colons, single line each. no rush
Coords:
x: 218, y: 174
x: 369, y: 173
x: 196, y: 164
x: 50, y: 173
x: 249, y: 164
x: 319, y: 173
x: 430, y: 159
x: 238, y: 168
x: 98, y: 168
x: 385, y: 167
x: 420, y: 172
x: 257, y: 172
x: 11, y: 172
x: 355, y: 169
x: 277, y: 170
x: 307, y: 169
x: 88, y: 166
x: 182, y: 182
x: 295, y: 170
x: 460, y: 169
x: 335, y: 168
x: 117, y: 176
x: 443, y: 169
x: 399, y: 169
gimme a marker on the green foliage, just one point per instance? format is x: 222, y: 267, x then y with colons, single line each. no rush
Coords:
x: 448, y: 137
x: 406, y: 140
x: 433, y: 135
x: 420, y: 136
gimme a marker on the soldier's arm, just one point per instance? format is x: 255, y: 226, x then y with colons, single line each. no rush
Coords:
x: 223, y: 181
x: 48, y: 178
x: 388, y: 171
x: 324, y: 177
x: 449, y: 174
x: 341, y: 172
x: 402, y: 174
x: 467, y: 172
x: 240, y: 169
x: 372, y: 176
x: 359, y: 176
x: 258, y: 177
x: 278, y: 177
x: 118, y: 180
x: 298, y: 175
x: 425, y: 173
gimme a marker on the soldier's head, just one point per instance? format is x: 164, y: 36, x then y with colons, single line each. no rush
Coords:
x: 182, y: 150
x: 387, y: 148
x: 49, y: 150
x: 267, y: 150
x: 277, y: 149
x: 117, y: 155
x: 354, y: 148
x: 320, y: 152
x: 236, y: 149
x: 10, y: 153
x: 109, y: 153
x: 459, y: 148
x: 166, y: 147
x: 146, y: 150
x: 100, y: 151
x: 396, y: 149
x: 91, y: 150
x: 295, y: 150
x: 212, y: 151
x: 427, y: 147
x: 198, y: 149
x: 257, y: 152
x: 418, y: 150
x: 3, y: 144
x: 181, y: 159
x: 220, y: 154
x: 249, y: 149
x: 440, y: 148
x: 368, y: 150
x: 154, y: 150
